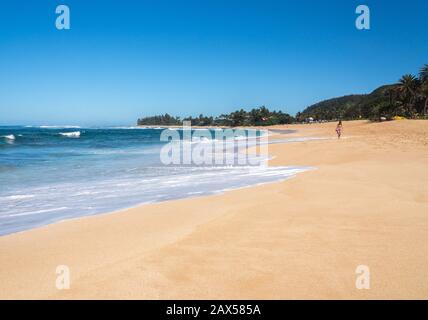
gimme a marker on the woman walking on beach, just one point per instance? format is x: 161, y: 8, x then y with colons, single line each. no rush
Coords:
x: 339, y: 129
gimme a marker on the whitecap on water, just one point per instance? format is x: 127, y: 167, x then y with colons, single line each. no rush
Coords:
x: 75, y: 134
x: 9, y: 137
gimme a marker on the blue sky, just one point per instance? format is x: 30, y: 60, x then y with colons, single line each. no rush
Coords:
x: 125, y: 59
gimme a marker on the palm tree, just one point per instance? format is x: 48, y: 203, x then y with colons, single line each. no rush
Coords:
x: 423, y: 76
x: 407, y: 89
x: 424, y: 93
x: 424, y: 73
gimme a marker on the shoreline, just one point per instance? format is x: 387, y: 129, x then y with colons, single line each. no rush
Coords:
x: 298, y: 238
x: 227, y: 187
x: 141, y: 205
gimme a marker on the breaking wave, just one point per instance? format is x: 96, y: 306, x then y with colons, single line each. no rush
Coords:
x: 75, y: 134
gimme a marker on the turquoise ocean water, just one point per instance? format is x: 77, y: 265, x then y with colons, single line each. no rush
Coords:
x: 49, y: 174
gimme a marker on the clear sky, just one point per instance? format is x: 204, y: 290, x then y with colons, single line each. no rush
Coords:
x: 125, y: 59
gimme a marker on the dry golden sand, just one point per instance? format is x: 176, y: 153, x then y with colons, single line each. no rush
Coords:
x: 365, y: 204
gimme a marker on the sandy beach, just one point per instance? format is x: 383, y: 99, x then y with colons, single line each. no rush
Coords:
x: 366, y: 203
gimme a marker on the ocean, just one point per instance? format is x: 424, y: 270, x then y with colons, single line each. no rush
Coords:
x: 49, y: 174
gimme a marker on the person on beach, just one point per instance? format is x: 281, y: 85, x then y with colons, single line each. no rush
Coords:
x: 339, y: 129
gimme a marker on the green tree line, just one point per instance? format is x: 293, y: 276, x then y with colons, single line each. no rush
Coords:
x: 406, y: 98
x: 260, y: 116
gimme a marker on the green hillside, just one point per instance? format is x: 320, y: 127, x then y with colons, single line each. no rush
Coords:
x: 357, y: 106
x: 407, y: 98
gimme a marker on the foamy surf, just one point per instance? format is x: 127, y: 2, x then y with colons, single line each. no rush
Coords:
x: 46, y: 178
x: 9, y: 137
x: 75, y: 134
x: 57, y: 127
x: 19, y: 197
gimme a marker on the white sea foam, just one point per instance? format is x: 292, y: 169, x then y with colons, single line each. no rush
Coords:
x: 36, y: 212
x: 75, y: 134
x: 9, y: 137
x: 129, y: 128
x: 59, y: 127
x: 117, y: 178
x: 19, y: 197
x: 75, y: 199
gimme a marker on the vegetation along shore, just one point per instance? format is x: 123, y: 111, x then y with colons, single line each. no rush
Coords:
x: 408, y: 98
